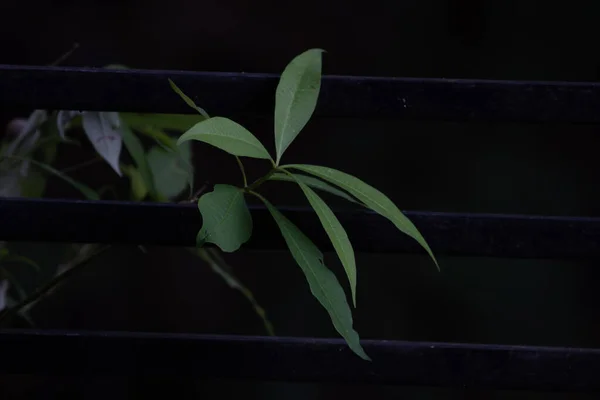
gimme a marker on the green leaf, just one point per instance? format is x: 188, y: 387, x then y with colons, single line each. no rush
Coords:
x: 337, y: 234
x: 227, y: 135
x: 323, y: 283
x: 226, y: 219
x: 85, y: 190
x: 150, y: 122
x: 102, y: 129
x: 296, y: 97
x: 314, y: 183
x: 371, y: 197
x: 170, y: 170
x: 218, y: 265
x: 139, y: 191
x: 134, y: 146
x: 187, y: 100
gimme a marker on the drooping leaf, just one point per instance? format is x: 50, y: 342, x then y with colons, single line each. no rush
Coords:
x: 313, y: 183
x: 151, y: 122
x: 139, y: 191
x: 323, y: 283
x: 85, y: 190
x: 296, y: 97
x: 170, y: 170
x: 337, y: 234
x: 226, y: 220
x: 63, y: 119
x: 103, y: 131
x: 218, y: 265
x: 370, y: 197
x: 227, y: 135
x: 187, y: 100
x: 136, y: 150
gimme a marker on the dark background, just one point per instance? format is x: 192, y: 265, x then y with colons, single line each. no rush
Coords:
x: 477, y: 167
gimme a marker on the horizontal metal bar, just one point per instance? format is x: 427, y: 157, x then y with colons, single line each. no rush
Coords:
x: 177, y: 225
x: 231, y: 94
x: 300, y: 360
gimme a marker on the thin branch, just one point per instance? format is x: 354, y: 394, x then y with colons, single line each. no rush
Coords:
x: 81, y: 165
x: 65, y: 55
x: 51, y: 285
x: 242, y: 169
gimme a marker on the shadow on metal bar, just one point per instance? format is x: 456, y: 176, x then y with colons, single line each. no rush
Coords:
x: 300, y: 360
x: 134, y: 223
x: 231, y: 94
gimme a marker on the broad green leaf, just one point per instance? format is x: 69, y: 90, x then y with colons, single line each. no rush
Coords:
x: 370, y: 197
x: 313, y: 183
x: 103, y: 131
x: 296, y: 97
x: 337, y: 235
x: 227, y: 135
x: 134, y: 146
x: 175, y: 122
x: 139, y: 191
x: 170, y: 170
x: 187, y: 100
x: 226, y: 220
x: 220, y: 267
x: 85, y: 190
x: 323, y: 283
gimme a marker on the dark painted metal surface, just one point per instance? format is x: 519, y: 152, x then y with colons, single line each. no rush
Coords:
x: 231, y: 94
x: 178, y: 224
x: 294, y: 359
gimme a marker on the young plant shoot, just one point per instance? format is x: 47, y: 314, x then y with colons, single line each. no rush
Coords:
x: 227, y: 222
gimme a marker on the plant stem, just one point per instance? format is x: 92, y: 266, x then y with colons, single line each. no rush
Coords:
x: 81, y: 165
x: 242, y: 169
x: 49, y: 286
x: 260, y: 181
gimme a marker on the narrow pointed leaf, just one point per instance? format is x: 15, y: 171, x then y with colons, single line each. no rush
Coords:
x: 323, y: 283
x: 102, y: 129
x: 296, y: 97
x: 227, y: 135
x: 313, y: 183
x: 370, y: 197
x: 187, y: 100
x: 337, y: 234
x: 226, y: 220
x: 134, y: 146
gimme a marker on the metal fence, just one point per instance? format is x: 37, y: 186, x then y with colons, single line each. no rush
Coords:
x: 300, y: 359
